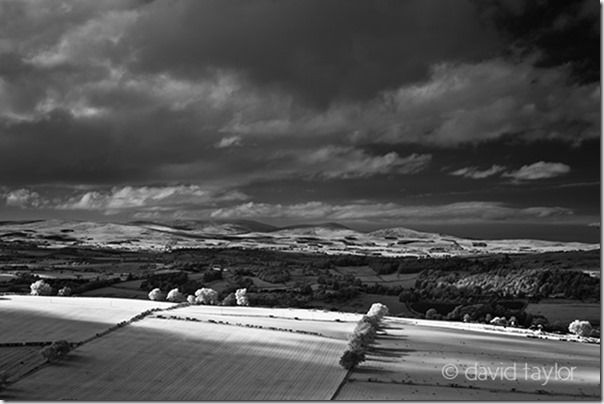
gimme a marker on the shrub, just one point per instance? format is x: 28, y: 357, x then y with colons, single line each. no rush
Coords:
x: 40, y: 288
x: 467, y: 318
x: 350, y: 358
x: 580, y: 328
x: 191, y: 299
x: 175, y: 296
x: 56, y: 350
x: 241, y: 296
x: 157, y: 295
x: 64, y: 291
x: 206, y: 296
x: 432, y: 314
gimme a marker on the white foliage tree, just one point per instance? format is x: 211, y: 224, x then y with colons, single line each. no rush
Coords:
x: 191, y: 299
x: 40, y: 288
x: 378, y: 310
x: 157, y: 295
x: 241, y: 296
x: 206, y: 296
x: 580, y: 328
x: 175, y: 296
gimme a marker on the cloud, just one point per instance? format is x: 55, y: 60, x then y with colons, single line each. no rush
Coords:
x: 538, y: 171
x: 229, y: 142
x: 346, y: 162
x: 475, y: 173
x: 122, y: 198
x: 392, y: 213
x: 23, y: 198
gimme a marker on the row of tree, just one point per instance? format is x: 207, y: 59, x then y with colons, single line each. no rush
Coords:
x: 362, y: 336
x: 206, y: 296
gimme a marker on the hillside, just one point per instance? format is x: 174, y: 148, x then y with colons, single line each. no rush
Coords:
x: 327, y: 238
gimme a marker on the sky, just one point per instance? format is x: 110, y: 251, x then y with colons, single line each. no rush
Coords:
x: 477, y: 118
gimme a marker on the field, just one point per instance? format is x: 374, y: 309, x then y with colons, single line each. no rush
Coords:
x: 200, y: 353
x: 40, y: 318
x: 407, y: 363
x: 158, y: 359
x: 567, y: 311
x: 16, y: 361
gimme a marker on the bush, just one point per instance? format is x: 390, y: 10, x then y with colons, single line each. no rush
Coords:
x: 580, y: 328
x: 157, y: 295
x: 191, y: 299
x: 64, y: 291
x: 40, y: 288
x: 56, y: 350
x: 350, y: 359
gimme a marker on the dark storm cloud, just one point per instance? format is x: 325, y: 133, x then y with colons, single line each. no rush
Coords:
x: 323, y: 50
x: 561, y: 31
x: 299, y: 108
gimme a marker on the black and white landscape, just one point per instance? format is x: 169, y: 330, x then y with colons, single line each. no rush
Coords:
x: 300, y: 200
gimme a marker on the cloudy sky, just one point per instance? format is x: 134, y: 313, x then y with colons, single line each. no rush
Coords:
x: 479, y: 118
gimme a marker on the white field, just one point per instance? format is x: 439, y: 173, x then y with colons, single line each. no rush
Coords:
x: 46, y: 318
x: 407, y: 363
x: 157, y: 359
x: 314, y: 321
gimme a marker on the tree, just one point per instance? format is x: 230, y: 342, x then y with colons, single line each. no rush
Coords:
x: 191, y: 299
x: 350, y: 359
x: 206, y: 296
x: 431, y: 314
x: 175, y: 296
x: 229, y: 300
x: 580, y: 328
x: 40, y: 288
x: 64, y: 291
x: 241, y: 296
x: 56, y: 350
x: 157, y: 295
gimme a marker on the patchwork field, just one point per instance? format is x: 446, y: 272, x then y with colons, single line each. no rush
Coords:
x: 41, y: 318
x: 202, y: 353
x: 407, y: 363
x: 157, y: 359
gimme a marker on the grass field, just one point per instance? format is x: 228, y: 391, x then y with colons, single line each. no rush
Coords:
x: 156, y: 359
x: 567, y: 311
x: 407, y: 361
x: 314, y: 322
x: 41, y: 318
x: 17, y: 361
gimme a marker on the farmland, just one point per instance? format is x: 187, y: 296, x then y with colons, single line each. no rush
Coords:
x: 167, y: 359
x: 407, y: 361
x: 567, y: 311
x: 39, y: 319
x: 249, y: 353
